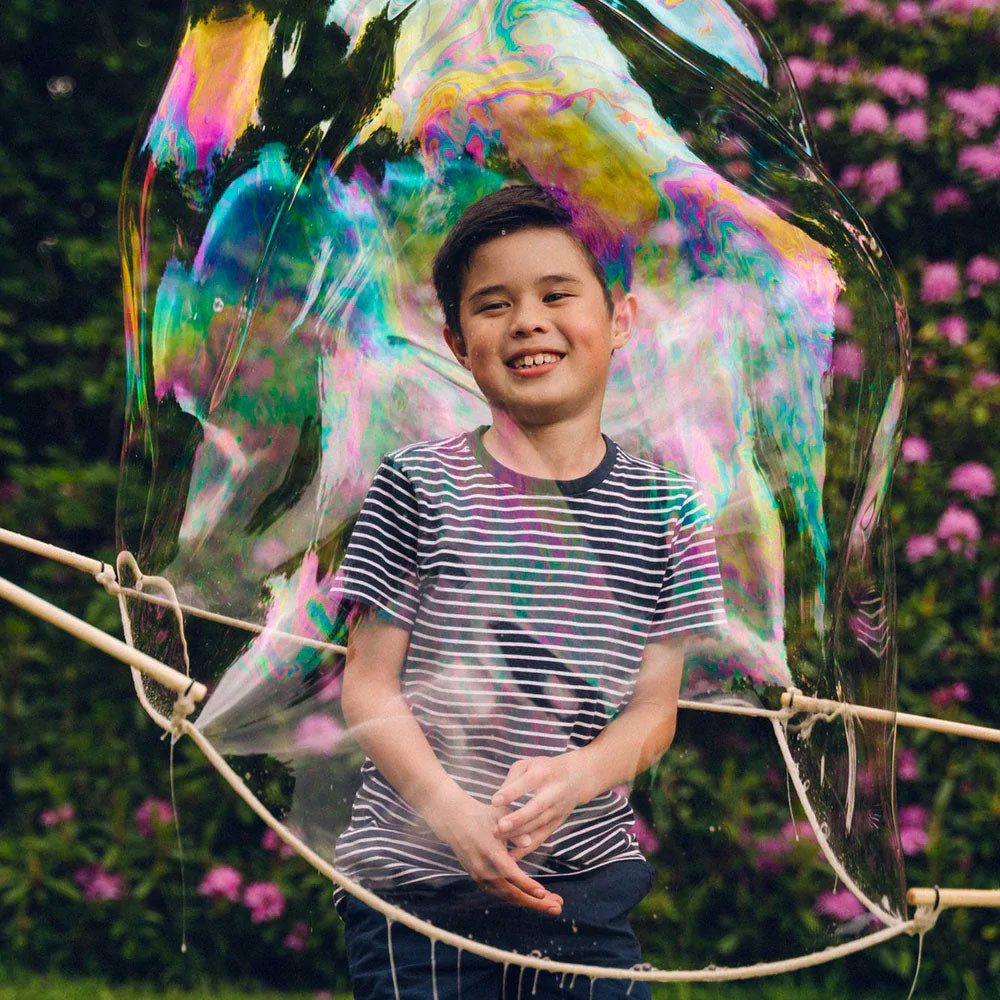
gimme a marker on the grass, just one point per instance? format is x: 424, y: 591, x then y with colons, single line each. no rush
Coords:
x: 52, y: 986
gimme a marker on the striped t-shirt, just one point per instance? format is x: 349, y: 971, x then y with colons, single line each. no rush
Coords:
x: 528, y: 603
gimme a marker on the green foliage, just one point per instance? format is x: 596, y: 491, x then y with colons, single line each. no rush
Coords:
x: 25, y: 986
x: 75, y: 78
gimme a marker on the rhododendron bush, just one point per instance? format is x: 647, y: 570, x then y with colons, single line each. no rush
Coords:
x: 904, y: 100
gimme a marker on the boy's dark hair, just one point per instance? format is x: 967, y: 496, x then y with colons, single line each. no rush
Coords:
x: 520, y: 206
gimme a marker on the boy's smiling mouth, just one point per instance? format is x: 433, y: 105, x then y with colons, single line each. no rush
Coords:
x: 534, y: 362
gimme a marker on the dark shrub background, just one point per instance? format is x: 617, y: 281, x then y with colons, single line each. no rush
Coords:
x: 905, y: 102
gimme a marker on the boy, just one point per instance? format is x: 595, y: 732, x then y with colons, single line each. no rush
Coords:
x: 520, y: 596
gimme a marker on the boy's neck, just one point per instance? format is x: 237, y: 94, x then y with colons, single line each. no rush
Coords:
x: 569, y: 449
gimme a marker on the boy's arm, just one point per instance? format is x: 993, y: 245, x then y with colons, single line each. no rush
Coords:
x: 625, y: 747
x: 387, y: 731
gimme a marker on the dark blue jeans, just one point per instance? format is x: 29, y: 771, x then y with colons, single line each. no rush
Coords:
x: 593, y: 929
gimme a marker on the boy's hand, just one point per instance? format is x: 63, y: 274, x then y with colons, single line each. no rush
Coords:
x: 557, y: 785
x: 469, y: 827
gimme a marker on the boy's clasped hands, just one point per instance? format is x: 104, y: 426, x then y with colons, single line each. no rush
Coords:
x: 480, y: 833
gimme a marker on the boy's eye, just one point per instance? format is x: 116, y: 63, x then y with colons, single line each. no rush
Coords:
x: 556, y: 295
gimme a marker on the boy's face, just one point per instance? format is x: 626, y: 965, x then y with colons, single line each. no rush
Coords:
x: 536, y: 333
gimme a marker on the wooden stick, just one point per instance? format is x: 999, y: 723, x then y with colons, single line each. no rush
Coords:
x: 160, y: 672
x: 799, y: 701
x: 953, y: 897
x: 33, y: 545
x: 827, y: 705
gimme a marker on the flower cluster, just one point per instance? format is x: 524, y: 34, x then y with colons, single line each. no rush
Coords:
x: 153, y: 814
x: 58, y: 816
x: 264, y: 900
x: 99, y: 885
x: 913, y: 834
x: 222, y: 882
x: 270, y: 841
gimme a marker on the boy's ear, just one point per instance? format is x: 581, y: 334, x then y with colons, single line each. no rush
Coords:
x: 456, y: 342
x: 623, y: 320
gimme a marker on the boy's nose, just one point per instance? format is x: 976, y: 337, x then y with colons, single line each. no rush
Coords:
x: 527, y: 320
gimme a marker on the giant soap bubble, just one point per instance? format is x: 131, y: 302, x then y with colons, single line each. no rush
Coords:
x: 280, y: 211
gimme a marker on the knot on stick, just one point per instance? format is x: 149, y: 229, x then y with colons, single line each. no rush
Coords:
x: 184, y: 705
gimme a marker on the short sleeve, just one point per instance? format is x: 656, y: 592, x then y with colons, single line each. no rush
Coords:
x: 691, y: 597
x: 380, y: 565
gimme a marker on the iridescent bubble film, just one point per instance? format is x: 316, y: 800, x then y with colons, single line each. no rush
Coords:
x: 280, y: 212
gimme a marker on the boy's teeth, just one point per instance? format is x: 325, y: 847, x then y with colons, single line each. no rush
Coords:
x: 533, y: 359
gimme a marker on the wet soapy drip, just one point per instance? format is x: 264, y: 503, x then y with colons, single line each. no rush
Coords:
x: 434, y: 980
x: 535, y: 953
x: 392, y: 958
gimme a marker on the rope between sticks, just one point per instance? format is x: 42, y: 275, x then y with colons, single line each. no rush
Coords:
x: 179, y: 724
x: 397, y: 915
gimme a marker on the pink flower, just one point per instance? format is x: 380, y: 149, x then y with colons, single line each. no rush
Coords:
x: 954, y: 329
x: 825, y: 118
x: 298, y: 937
x: 821, y: 34
x: 913, y: 840
x: 916, y: 449
x: 908, y: 12
x: 869, y: 116
x: 982, y: 160
x: 872, y: 8
x: 881, y: 179
x: 647, y: 839
x: 803, y: 71
x: 151, y: 814
x: 902, y: 85
x: 945, y: 697
x: 264, y: 900
x: 835, y: 75
x: 270, y: 841
x: 841, y: 905
x: 974, y: 110
x: 866, y: 781
x: 948, y: 198
x: 982, y: 269
x: 319, y: 734
x: 937, y: 7
x: 768, y: 9
x: 802, y: 829
x: 843, y: 316
x: 913, y: 834
x: 221, y: 882
x: 98, y: 884
x: 986, y: 380
x: 56, y: 817
x: 912, y: 124
x: 974, y: 479
x: 771, y: 852
x: 851, y: 175
x: 907, y: 765
x: 940, y: 282
x: 848, y: 360
x: 956, y: 524
x: 920, y: 547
